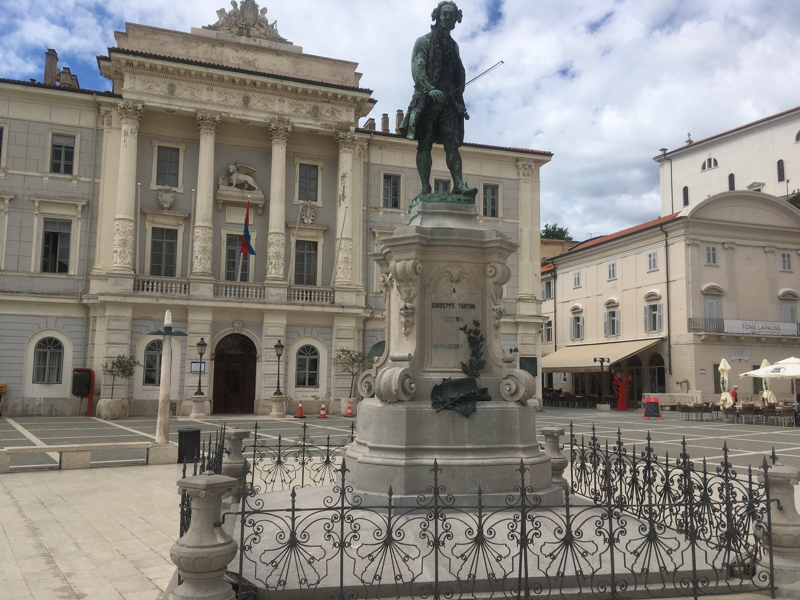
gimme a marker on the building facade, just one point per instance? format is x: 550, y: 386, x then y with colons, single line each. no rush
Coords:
x: 115, y: 206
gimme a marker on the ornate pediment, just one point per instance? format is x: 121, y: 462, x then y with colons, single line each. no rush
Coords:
x: 247, y: 20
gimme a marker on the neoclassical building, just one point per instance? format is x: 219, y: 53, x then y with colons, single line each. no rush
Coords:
x: 116, y: 206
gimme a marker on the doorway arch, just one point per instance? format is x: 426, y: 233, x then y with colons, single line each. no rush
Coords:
x: 235, y: 358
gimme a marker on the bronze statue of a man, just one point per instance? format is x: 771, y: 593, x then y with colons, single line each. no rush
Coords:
x: 437, y: 111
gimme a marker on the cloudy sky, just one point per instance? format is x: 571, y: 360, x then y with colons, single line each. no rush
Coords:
x: 603, y: 84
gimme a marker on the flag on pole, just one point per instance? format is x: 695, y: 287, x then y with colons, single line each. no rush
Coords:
x: 246, y: 248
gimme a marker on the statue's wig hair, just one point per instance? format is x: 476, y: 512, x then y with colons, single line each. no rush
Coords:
x: 437, y: 11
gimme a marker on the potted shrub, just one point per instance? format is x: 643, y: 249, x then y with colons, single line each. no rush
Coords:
x: 122, y: 367
x: 352, y: 363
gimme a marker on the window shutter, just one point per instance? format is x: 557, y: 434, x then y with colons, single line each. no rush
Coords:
x: 646, y: 328
x: 572, y: 328
x: 659, y: 319
x: 605, y: 323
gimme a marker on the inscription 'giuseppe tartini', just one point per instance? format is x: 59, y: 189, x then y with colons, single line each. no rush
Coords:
x: 460, y: 305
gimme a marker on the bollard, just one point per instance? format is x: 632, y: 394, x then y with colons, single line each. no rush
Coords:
x: 785, y: 530
x: 234, y: 464
x: 203, y: 553
x: 558, y: 462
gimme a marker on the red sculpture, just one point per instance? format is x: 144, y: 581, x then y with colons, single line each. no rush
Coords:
x: 621, y: 385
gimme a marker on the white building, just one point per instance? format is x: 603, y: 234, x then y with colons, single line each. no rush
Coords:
x: 115, y: 206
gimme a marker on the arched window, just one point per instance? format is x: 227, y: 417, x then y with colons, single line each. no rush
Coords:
x: 48, y: 361
x: 307, y: 373
x: 658, y: 374
x: 709, y: 163
x: 686, y: 195
x: 781, y: 173
x: 731, y: 182
x: 152, y: 363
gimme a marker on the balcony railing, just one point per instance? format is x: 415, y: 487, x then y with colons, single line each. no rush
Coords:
x: 706, y: 325
x: 162, y: 286
x: 311, y: 295
x: 239, y: 291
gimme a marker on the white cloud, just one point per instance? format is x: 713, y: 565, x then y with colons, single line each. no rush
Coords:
x: 601, y: 83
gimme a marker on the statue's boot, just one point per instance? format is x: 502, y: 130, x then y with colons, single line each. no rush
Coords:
x: 460, y: 187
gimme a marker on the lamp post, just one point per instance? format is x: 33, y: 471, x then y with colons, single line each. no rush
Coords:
x: 278, y: 353
x: 602, y: 361
x: 201, y: 349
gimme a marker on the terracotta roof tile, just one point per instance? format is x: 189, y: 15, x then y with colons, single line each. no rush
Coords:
x: 58, y: 88
x: 619, y: 234
x: 548, y: 267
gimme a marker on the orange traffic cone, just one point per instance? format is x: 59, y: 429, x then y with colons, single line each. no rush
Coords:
x: 300, y: 414
x: 322, y: 414
x: 349, y: 409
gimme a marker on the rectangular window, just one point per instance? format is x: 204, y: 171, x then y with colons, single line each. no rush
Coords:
x: 576, y: 327
x: 652, y: 261
x: 62, y: 156
x: 55, y: 246
x: 491, y: 195
x: 1, y: 143
x: 576, y: 279
x: 711, y: 255
x: 611, y: 323
x: 167, y: 166
x: 441, y: 186
x: 786, y: 261
x: 612, y: 270
x: 547, y: 332
x: 305, y: 263
x: 307, y: 183
x: 391, y: 191
x: 653, y: 320
x: 163, y: 252
x: 237, y: 265
x: 547, y: 290
x: 789, y: 311
x: 713, y: 308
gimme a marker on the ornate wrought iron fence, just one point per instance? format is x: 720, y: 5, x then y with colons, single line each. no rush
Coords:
x: 335, y: 546
x: 212, y: 452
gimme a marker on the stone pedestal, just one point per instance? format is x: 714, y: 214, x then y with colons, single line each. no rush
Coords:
x: 111, y: 409
x: 785, y: 531
x: 558, y: 462
x: 234, y: 464
x: 162, y: 454
x: 204, y: 552
x: 201, y: 407
x: 278, y: 407
x: 441, y: 273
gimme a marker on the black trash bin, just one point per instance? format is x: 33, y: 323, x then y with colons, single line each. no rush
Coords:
x: 188, y: 445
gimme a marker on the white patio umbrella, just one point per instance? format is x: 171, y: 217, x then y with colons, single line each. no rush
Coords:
x: 766, y: 394
x: 726, y: 400
x: 788, y: 368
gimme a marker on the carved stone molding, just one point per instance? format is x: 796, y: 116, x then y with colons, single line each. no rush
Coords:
x: 344, y: 266
x: 770, y: 249
x: 497, y: 275
x: 207, y: 122
x: 308, y: 213
x: 106, y: 117
x: 275, y: 254
x: 123, y: 243
x: 203, y: 244
x: 362, y: 152
x: 405, y: 274
x: 130, y: 112
x: 345, y: 141
x: 166, y: 196
x: 524, y: 168
x: 280, y: 132
x: 395, y: 385
x: 517, y: 386
x: 729, y: 246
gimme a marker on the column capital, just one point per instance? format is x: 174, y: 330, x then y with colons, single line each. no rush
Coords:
x: 207, y: 122
x: 280, y: 131
x: 525, y: 168
x: 130, y: 112
x: 107, y: 116
x: 345, y: 141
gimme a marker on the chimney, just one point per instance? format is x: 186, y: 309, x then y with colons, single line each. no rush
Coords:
x: 370, y: 124
x: 50, y: 67
x: 67, y: 79
x: 385, y: 123
x: 398, y: 121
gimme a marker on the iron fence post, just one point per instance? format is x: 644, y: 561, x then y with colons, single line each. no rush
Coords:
x: 610, y: 513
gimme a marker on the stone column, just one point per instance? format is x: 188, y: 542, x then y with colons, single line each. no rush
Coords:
x: 105, y: 212
x: 529, y: 234
x: 234, y: 464
x: 204, y: 552
x: 204, y: 207
x: 125, y: 219
x: 276, y: 241
x: 785, y: 530
x: 558, y: 462
x: 344, y: 211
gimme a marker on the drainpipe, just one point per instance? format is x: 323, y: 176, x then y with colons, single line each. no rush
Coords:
x: 555, y: 312
x: 83, y: 291
x: 669, y: 316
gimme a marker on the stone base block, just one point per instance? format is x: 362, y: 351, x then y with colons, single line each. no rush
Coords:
x: 75, y: 460
x: 5, y: 463
x: 278, y: 410
x: 112, y: 408
x: 162, y: 454
x: 263, y: 407
x: 604, y: 407
x: 201, y: 407
x: 396, y: 446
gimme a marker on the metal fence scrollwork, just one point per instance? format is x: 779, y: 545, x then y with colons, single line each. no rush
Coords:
x: 212, y: 452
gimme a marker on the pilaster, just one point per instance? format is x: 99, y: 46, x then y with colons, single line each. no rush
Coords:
x: 345, y: 209
x: 204, y: 207
x: 276, y: 241
x: 345, y: 333
x: 198, y: 326
x: 273, y: 330
x: 116, y: 325
x: 105, y: 213
x: 529, y: 234
x: 124, y: 222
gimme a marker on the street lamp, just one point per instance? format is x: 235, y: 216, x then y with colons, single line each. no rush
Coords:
x: 278, y: 353
x: 602, y: 361
x: 201, y: 349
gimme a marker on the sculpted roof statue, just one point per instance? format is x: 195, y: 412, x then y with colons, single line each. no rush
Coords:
x: 246, y: 20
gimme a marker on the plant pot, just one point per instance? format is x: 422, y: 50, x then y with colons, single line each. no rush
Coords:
x: 112, y: 408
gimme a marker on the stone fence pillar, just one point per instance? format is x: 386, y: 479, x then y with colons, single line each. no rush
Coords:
x: 234, y: 464
x: 204, y: 552
x: 785, y: 531
x: 558, y: 462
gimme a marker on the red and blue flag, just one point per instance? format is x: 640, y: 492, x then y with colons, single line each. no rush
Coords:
x: 246, y: 247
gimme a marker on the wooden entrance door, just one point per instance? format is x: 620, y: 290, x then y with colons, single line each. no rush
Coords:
x: 235, y: 376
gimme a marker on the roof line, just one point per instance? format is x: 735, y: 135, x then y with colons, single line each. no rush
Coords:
x: 620, y: 234
x: 58, y: 88
x: 199, y: 63
x: 467, y: 144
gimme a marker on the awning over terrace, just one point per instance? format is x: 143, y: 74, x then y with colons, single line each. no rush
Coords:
x: 581, y: 358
